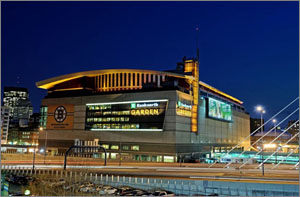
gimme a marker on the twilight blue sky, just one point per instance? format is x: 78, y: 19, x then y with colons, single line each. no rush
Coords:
x: 247, y: 49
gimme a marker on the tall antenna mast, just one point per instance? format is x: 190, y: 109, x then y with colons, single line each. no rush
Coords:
x: 197, y: 42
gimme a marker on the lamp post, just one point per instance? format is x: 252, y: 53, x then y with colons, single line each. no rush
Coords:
x: 261, y: 110
x: 45, y: 151
x: 33, y: 160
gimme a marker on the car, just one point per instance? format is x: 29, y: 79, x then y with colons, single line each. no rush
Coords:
x: 139, y: 192
x: 163, y: 193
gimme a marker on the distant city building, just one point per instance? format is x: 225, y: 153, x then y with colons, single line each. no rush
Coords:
x: 21, y: 109
x: 26, y: 135
x: 34, y: 121
x: 280, y: 143
x: 12, y: 95
x: 255, y: 123
x: 22, y: 112
x: 5, y: 112
x: 294, y: 129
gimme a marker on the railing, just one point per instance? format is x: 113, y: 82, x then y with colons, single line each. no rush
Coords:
x: 179, y: 187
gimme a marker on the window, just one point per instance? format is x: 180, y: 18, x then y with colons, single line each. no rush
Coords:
x: 113, y: 155
x: 117, y: 80
x: 125, y: 147
x: 129, y: 79
x: 114, y: 147
x: 168, y: 159
x: 145, y: 158
x: 133, y: 79
x: 109, y: 80
x: 135, y: 148
x: 125, y: 79
x: 138, y: 79
x: 121, y: 79
x: 159, y: 158
x: 106, y: 146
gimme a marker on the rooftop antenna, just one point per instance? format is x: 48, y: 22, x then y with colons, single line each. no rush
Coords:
x: 197, y: 42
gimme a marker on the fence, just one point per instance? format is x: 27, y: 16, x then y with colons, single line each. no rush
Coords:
x: 179, y: 187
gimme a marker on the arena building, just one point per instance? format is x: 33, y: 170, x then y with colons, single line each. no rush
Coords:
x: 143, y: 115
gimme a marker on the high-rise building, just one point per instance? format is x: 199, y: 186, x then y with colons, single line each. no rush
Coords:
x: 22, y: 112
x: 255, y: 123
x: 294, y: 129
x: 17, y: 98
x: 5, y: 112
x: 12, y: 95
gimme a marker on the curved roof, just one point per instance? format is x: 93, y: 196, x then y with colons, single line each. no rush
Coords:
x: 51, y: 82
x: 48, y: 83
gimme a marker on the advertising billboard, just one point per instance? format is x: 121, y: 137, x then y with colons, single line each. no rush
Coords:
x: 220, y: 110
x: 184, y: 108
x: 60, y: 117
x: 126, y: 116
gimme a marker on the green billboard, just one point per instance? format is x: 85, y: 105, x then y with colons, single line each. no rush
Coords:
x: 220, y: 110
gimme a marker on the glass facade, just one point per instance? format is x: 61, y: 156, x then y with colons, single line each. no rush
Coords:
x: 135, y: 116
x: 43, y: 117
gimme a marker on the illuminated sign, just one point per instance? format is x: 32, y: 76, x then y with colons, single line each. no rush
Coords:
x: 183, y: 109
x: 220, y: 110
x: 180, y: 104
x: 126, y: 116
x: 144, y: 112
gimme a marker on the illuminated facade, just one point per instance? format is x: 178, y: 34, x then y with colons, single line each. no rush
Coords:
x: 5, y: 112
x: 142, y: 114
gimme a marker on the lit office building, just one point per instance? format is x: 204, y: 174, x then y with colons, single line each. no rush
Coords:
x: 17, y: 99
x: 5, y: 112
x: 11, y: 95
x: 145, y: 115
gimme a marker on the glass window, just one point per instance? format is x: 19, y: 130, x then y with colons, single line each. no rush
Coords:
x: 137, y: 157
x: 114, y: 147
x: 125, y: 147
x: 113, y: 155
x: 125, y: 79
x: 168, y: 159
x: 106, y: 146
x: 129, y: 79
x: 133, y: 78
x: 121, y: 79
x: 135, y: 148
x: 117, y: 80
x: 145, y: 158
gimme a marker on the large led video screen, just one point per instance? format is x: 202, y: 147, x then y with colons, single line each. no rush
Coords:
x: 126, y: 116
x: 220, y: 110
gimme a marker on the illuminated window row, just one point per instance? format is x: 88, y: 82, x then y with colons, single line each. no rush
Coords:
x: 108, y: 119
x: 106, y: 113
x: 126, y: 81
x: 115, y: 126
x: 124, y: 147
x: 99, y: 107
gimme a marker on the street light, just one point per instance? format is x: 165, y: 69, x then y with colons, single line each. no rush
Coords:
x: 261, y: 110
x: 45, y: 152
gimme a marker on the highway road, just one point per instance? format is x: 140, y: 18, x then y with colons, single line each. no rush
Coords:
x: 195, y: 173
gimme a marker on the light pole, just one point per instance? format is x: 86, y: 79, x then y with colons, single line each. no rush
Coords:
x: 45, y: 151
x: 33, y: 160
x: 262, y: 111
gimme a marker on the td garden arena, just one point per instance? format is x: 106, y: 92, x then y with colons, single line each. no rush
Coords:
x: 141, y: 115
